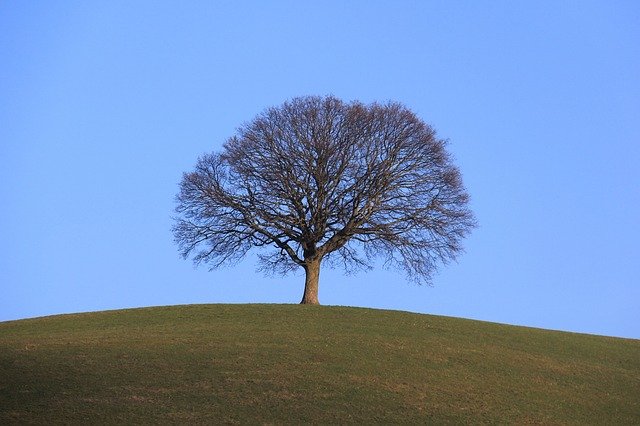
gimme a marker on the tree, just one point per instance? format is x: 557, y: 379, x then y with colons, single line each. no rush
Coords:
x: 320, y: 179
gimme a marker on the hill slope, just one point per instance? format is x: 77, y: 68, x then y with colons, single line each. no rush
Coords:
x: 294, y: 364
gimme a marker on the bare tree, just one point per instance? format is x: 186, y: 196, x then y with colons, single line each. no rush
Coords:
x: 317, y: 178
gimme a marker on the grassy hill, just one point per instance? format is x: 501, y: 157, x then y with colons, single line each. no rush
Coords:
x: 274, y: 364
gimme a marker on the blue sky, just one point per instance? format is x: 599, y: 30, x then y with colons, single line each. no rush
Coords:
x: 103, y: 106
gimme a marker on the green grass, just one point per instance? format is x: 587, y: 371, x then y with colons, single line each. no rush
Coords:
x: 275, y: 364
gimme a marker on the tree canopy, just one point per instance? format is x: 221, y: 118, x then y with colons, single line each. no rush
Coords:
x: 321, y: 179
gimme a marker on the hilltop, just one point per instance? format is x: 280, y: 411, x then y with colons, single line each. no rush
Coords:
x: 308, y: 364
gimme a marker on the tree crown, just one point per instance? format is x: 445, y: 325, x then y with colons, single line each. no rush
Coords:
x: 317, y: 178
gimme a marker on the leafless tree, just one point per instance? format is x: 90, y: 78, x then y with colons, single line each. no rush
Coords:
x: 317, y: 178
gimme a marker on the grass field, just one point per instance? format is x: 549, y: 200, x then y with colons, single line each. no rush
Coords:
x: 290, y: 364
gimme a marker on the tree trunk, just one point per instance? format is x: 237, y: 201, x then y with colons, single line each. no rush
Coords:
x: 312, y: 274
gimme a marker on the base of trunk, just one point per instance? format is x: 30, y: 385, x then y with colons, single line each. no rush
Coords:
x: 312, y: 275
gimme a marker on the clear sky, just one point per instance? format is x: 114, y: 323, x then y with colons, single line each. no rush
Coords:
x: 104, y: 104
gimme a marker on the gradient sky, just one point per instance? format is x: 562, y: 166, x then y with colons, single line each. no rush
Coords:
x: 104, y: 104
